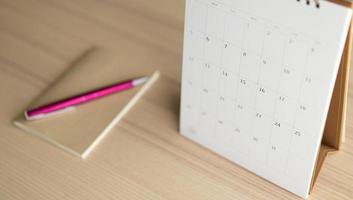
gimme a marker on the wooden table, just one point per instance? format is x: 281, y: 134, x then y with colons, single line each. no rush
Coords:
x: 144, y: 157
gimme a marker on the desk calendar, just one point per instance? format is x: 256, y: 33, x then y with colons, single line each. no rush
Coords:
x: 257, y: 81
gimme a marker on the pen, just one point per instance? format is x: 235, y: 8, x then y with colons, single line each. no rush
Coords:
x: 69, y: 103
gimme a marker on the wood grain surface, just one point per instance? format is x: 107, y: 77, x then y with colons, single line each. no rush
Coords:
x: 144, y: 157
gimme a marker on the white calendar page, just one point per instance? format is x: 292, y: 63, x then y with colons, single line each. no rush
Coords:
x: 257, y: 80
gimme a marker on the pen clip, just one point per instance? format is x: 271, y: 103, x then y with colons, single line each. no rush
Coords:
x: 45, y: 115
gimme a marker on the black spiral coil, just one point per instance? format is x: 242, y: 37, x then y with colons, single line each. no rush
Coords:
x: 316, y: 2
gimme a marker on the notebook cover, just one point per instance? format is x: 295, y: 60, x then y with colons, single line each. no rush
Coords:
x: 78, y: 131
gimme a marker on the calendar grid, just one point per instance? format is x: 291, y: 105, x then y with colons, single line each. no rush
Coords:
x: 245, y: 77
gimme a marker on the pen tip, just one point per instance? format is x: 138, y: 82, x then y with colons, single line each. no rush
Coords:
x: 139, y: 81
x: 26, y: 115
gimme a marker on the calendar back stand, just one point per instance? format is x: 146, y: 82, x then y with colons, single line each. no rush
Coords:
x: 334, y: 133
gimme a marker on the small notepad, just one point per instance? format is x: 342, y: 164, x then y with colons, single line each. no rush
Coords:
x: 80, y: 130
x: 257, y: 80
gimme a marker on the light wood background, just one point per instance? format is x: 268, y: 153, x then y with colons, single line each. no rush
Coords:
x: 144, y: 157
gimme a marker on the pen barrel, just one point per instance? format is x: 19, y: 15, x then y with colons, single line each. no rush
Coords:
x: 79, y: 99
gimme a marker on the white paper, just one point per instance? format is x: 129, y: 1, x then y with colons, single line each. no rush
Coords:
x: 257, y: 80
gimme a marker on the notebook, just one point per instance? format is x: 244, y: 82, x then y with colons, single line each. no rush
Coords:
x: 80, y: 130
x: 257, y: 80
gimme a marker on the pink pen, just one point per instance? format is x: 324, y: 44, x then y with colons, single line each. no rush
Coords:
x: 69, y: 103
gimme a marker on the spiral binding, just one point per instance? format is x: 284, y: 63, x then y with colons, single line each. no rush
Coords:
x: 317, y: 3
